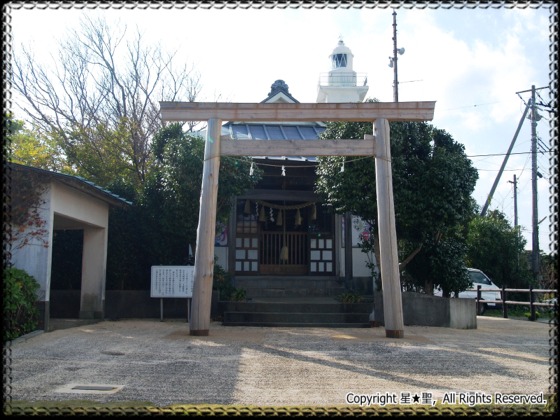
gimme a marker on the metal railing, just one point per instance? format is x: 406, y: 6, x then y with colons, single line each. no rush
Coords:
x: 504, y: 302
x: 343, y: 79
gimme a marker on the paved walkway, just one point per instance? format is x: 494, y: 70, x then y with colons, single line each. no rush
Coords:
x: 160, y: 363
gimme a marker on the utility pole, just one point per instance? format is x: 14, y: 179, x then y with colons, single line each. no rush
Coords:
x: 514, y: 182
x: 515, y: 218
x: 535, y: 246
x: 506, y: 157
x: 533, y: 117
x: 396, y: 77
x: 393, y: 60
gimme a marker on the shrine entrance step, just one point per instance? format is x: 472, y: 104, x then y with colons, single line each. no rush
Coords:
x: 324, y: 312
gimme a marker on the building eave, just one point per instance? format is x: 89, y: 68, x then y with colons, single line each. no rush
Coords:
x: 75, y: 182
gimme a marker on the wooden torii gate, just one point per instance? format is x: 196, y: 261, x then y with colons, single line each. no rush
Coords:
x: 378, y: 146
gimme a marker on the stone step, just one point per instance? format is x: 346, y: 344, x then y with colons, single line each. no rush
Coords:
x: 298, y: 324
x: 258, y: 292
x: 306, y: 312
x: 296, y: 317
x: 284, y: 286
x: 297, y: 307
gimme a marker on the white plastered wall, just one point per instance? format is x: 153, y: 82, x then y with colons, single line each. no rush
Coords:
x: 35, y: 257
x: 64, y: 205
x: 94, y: 214
x: 359, y: 258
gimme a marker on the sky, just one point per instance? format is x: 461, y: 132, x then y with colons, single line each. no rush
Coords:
x: 478, y: 64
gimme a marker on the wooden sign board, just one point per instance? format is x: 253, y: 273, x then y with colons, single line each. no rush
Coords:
x: 172, y: 281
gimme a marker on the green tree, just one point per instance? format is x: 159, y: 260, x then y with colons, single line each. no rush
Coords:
x: 162, y: 224
x: 24, y: 191
x: 432, y: 183
x: 496, y: 248
x: 172, y: 195
x: 104, y: 155
x: 32, y: 148
x: 440, y: 263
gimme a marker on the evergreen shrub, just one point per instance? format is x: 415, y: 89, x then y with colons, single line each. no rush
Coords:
x: 20, y: 313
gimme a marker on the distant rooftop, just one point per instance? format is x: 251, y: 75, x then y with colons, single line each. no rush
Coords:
x: 278, y: 89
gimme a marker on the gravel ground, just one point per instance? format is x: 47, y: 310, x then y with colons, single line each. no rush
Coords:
x: 160, y: 363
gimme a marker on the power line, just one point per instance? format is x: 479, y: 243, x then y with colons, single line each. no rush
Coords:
x: 496, y: 170
x: 473, y: 106
x: 530, y: 105
x: 542, y: 103
x: 504, y: 154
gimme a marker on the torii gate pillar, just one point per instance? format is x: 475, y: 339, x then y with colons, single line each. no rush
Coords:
x: 204, y: 255
x: 388, y: 252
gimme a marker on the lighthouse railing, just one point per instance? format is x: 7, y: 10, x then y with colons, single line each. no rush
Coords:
x: 343, y: 79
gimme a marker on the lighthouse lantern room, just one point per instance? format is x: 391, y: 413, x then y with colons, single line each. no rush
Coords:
x: 342, y: 83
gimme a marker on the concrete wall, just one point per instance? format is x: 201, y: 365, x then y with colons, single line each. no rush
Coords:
x: 93, y: 214
x: 35, y: 257
x: 419, y: 309
x: 432, y: 311
x: 122, y: 304
x: 359, y: 261
x: 62, y: 208
x: 221, y: 253
x: 76, y: 205
x: 462, y: 313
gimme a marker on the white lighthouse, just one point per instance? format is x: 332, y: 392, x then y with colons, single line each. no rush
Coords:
x: 342, y: 83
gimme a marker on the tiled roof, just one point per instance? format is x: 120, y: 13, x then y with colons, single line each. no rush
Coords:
x: 274, y: 131
x: 76, y: 182
x: 268, y: 131
x: 279, y: 89
x: 279, y: 92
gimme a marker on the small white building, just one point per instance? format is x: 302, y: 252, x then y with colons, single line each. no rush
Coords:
x: 65, y: 202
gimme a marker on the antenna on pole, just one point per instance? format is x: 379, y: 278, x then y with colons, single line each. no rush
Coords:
x: 393, y: 59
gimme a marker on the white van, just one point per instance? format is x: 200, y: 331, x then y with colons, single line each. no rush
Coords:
x: 487, y: 293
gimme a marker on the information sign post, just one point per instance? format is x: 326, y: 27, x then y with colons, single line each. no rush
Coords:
x: 172, y: 281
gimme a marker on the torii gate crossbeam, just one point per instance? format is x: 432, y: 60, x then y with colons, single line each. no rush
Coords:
x: 379, y: 146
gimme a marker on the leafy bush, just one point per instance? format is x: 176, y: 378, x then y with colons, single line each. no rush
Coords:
x: 528, y: 315
x: 20, y: 313
x: 238, y: 294
x: 350, y: 297
x: 222, y: 283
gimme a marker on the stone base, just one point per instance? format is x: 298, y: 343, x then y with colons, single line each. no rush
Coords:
x: 199, y: 332
x: 394, y: 333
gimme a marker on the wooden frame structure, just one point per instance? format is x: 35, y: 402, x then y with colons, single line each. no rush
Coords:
x: 378, y: 146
